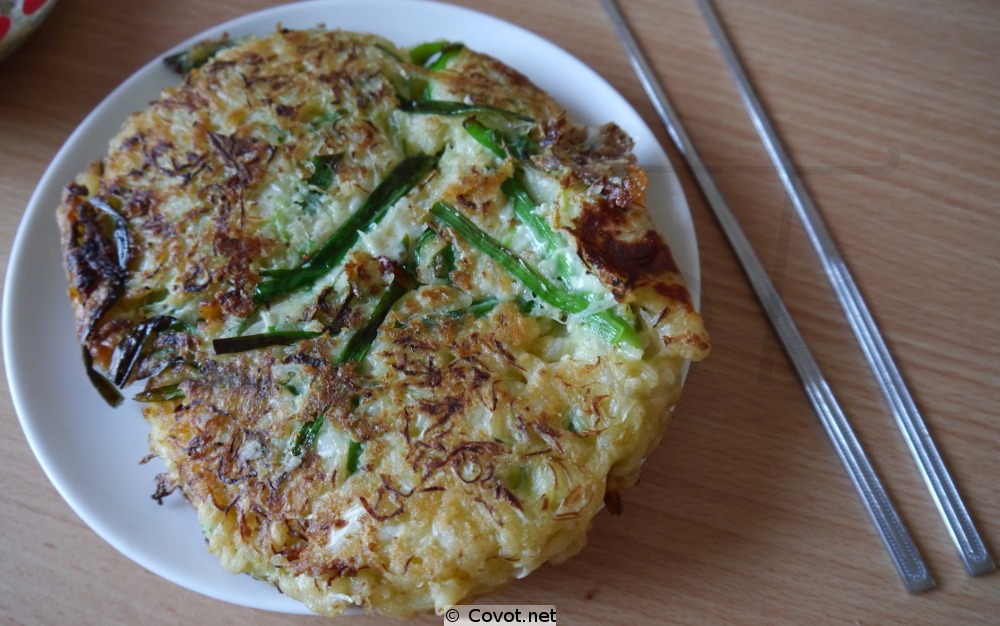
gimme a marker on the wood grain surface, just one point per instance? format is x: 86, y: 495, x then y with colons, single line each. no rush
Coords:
x: 744, y: 514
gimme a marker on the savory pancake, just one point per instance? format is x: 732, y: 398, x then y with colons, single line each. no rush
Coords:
x: 402, y: 327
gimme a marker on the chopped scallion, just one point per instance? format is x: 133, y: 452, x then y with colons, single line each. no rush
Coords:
x: 307, y: 435
x: 604, y: 323
x: 231, y: 345
x: 324, y: 167
x: 160, y: 394
x: 480, y: 308
x: 103, y: 386
x: 360, y: 343
x: 354, y: 452
x: 448, y: 107
x: 422, y: 53
x: 121, y: 229
x: 128, y: 352
x: 498, y: 142
x: 434, y: 55
x: 448, y: 53
x: 524, y: 209
x: 197, y: 55
x: 397, y: 184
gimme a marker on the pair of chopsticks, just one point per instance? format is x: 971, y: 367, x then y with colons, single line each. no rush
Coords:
x: 905, y: 556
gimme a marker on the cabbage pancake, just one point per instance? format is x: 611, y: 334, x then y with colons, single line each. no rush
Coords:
x: 401, y: 326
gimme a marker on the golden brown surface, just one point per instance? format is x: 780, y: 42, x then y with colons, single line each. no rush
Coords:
x: 746, y: 515
x: 483, y: 444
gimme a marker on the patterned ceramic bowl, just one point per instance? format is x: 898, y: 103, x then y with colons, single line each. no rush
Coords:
x: 18, y: 18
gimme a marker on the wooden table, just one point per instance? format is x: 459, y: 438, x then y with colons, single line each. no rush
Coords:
x: 744, y: 514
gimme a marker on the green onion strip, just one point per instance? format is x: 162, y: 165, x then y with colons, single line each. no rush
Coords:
x: 231, y: 345
x: 605, y: 323
x: 398, y: 183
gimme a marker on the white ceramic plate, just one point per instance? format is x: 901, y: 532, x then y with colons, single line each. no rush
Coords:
x: 90, y: 452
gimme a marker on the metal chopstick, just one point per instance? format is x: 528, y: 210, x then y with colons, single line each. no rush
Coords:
x: 904, y: 553
x: 963, y: 531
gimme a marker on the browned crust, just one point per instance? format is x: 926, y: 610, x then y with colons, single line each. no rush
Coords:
x: 465, y: 420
